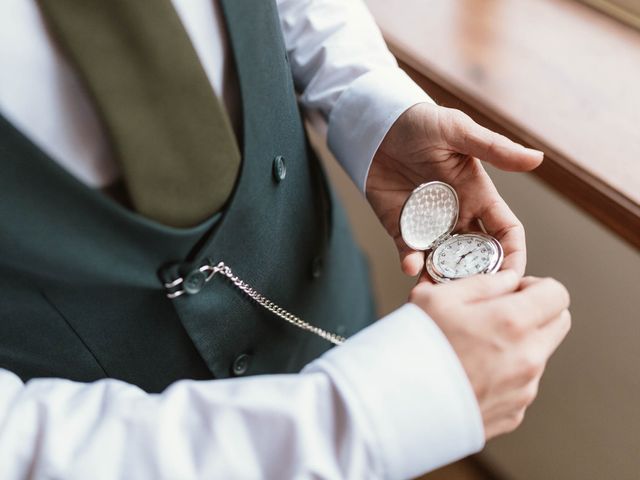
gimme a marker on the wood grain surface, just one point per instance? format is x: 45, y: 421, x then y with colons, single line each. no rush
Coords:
x: 553, y: 74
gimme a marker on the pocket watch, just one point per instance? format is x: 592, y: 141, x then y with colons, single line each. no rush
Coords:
x: 428, y: 218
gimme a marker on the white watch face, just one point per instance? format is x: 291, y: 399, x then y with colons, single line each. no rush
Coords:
x: 465, y: 255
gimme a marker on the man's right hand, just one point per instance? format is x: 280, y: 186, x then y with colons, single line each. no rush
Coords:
x: 503, y: 329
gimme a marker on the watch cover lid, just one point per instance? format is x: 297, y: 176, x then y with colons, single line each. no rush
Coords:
x: 430, y: 212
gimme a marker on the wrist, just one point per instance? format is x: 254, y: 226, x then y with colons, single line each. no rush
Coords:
x: 364, y: 114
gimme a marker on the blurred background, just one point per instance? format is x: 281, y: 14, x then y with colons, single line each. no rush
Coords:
x: 581, y: 211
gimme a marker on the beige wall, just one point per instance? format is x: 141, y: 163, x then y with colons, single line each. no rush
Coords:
x: 586, y: 422
x: 625, y: 10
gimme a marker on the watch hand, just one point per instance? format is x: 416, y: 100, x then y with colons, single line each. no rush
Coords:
x: 470, y: 251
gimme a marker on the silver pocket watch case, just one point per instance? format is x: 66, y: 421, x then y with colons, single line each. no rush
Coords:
x: 427, y: 221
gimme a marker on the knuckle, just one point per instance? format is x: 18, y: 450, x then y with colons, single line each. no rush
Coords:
x: 559, y: 289
x: 513, y: 420
x: 531, y: 367
x: 461, y: 118
x: 457, y: 124
x: 566, y: 319
x: 518, y: 223
x: 516, y: 419
x: 566, y: 296
x: 529, y: 394
x: 458, y: 116
x: 511, y: 326
x: 514, y: 329
x: 530, y: 371
x: 550, y: 283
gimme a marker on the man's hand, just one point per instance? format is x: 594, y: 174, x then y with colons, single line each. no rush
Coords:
x: 428, y: 143
x: 503, y: 329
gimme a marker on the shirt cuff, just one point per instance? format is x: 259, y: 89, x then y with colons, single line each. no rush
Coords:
x: 412, y: 391
x: 363, y: 115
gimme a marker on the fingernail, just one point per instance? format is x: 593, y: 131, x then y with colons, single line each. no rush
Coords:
x: 535, y: 152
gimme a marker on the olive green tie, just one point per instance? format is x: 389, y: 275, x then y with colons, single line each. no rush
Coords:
x: 168, y: 129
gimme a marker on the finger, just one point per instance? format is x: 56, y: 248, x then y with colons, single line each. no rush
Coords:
x: 480, y: 287
x: 484, y: 204
x: 412, y: 262
x: 501, y: 223
x: 425, y: 277
x: 550, y: 336
x: 534, y: 305
x: 469, y: 138
x: 527, y: 281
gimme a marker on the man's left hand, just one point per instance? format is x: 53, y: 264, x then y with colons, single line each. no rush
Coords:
x: 428, y: 143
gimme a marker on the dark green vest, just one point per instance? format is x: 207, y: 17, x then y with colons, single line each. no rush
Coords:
x: 81, y: 278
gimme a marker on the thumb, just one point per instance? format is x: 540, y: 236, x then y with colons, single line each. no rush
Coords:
x: 482, y: 287
x: 469, y: 138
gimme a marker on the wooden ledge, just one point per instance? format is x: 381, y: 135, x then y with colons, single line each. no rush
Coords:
x: 555, y: 75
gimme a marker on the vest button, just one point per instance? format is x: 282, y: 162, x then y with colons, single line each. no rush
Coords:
x: 279, y: 168
x: 194, y: 282
x: 241, y: 364
x: 316, y: 267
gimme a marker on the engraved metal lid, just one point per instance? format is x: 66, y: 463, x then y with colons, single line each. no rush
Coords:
x: 430, y: 212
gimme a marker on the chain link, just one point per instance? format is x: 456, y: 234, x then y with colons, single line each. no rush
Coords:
x: 260, y: 299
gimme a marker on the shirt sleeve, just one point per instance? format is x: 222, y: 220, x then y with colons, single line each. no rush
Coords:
x: 343, y: 70
x: 392, y: 402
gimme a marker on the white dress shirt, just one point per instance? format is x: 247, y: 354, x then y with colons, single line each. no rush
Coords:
x: 392, y: 402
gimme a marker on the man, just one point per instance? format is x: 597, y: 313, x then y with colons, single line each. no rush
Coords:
x: 184, y: 114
